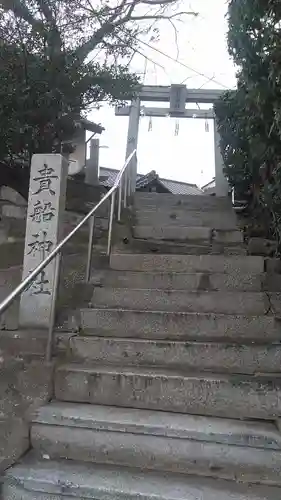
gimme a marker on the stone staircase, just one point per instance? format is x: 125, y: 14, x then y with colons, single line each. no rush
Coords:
x: 171, y: 384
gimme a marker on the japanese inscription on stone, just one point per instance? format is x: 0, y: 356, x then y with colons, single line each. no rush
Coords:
x: 42, y: 212
x: 43, y: 232
x: 44, y: 180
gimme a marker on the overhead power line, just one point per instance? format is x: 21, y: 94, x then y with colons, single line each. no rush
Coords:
x: 183, y: 64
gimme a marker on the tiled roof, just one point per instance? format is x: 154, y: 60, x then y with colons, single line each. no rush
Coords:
x: 177, y: 187
x: 210, y: 184
x: 108, y: 176
x: 91, y: 126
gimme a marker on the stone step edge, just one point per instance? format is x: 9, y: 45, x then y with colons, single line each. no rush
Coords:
x: 177, y: 313
x: 174, y: 213
x: 97, y: 277
x: 170, y: 373
x: 223, y: 301
x: 255, y: 397
x: 160, y: 219
x: 195, y: 293
x: 116, y: 272
x: 81, y: 323
x: 224, y: 357
x: 208, y: 263
x: 207, y: 232
x: 94, y: 481
x: 179, y: 200
x: 134, y: 340
x: 252, y: 282
x: 158, y: 423
x: 200, y: 243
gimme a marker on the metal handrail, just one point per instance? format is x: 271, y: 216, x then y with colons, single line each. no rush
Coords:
x: 56, y: 253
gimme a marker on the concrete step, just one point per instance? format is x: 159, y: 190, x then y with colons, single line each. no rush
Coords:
x: 200, y: 247
x: 229, y: 396
x: 186, y: 233
x: 186, y: 356
x: 250, y: 433
x: 249, y: 282
x: 66, y: 479
x: 159, y: 232
x: 182, y: 201
x: 225, y: 302
x: 187, y: 263
x: 178, y: 326
x: 212, y: 219
x: 222, y: 448
x: 171, y: 209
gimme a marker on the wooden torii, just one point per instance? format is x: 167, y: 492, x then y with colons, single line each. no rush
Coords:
x: 177, y: 96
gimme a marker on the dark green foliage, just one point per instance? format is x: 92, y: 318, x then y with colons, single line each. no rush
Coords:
x: 249, y: 118
x: 59, y: 58
x: 46, y: 81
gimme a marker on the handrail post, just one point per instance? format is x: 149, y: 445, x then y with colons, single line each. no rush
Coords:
x: 119, y: 201
x: 50, y: 340
x: 110, y: 223
x: 129, y: 183
x: 90, y: 248
x: 125, y: 190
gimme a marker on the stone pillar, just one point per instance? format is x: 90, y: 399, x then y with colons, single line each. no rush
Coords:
x: 132, y: 138
x: 92, y: 164
x: 46, y: 204
x: 222, y: 186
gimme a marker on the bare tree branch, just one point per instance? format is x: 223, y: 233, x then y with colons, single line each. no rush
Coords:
x: 159, y: 17
x: 111, y: 25
x: 55, y: 40
x: 19, y: 8
x: 137, y: 51
x: 83, y: 51
x: 157, y: 2
x: 89, y: 25
x: 176, y: 37
x: 44, y: 7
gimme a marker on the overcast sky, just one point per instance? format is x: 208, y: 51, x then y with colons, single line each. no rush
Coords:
x: 188, y: 156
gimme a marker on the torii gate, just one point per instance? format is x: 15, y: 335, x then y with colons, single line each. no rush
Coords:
x: 177, y: 96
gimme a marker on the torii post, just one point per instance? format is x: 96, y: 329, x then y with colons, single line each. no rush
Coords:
x: 177, y: 96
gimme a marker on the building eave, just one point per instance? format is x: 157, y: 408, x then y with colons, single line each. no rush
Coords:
x: 91, y: 126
